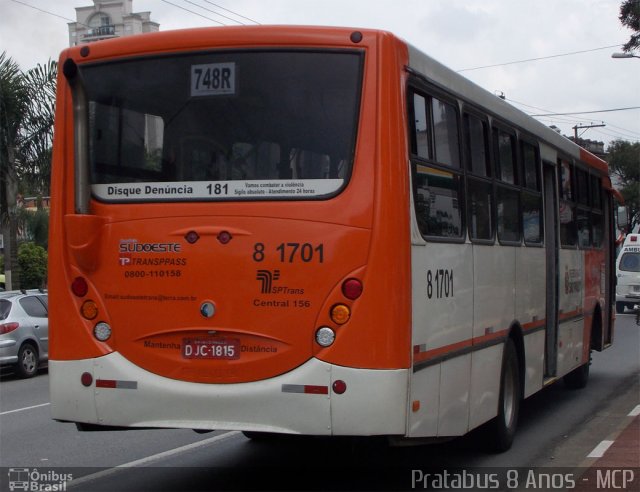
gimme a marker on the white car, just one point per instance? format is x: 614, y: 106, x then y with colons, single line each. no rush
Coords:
x: 628, y: 274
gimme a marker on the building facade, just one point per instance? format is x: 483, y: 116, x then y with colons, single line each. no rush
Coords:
x: 109, y: 19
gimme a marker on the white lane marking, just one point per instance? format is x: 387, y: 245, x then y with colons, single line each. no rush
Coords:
x: 150, y: 459
x: 23, y: 409
x: 635, y: 412
x: 600, y: 449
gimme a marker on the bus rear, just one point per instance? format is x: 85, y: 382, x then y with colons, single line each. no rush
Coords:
x: 213, y: 258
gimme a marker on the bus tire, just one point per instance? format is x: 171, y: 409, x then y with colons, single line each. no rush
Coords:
x: 579, y: 377
x: 502, y: 429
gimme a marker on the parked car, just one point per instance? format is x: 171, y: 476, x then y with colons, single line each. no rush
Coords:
x: 24, y: 331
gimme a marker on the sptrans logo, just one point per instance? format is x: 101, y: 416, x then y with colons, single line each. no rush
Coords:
x: 266, y: 278
x: 38, y: 480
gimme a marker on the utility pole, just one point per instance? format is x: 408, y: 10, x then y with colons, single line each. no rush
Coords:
x: 580, y: 127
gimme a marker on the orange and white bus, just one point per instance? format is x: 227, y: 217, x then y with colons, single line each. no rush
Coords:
x: 316, y: 231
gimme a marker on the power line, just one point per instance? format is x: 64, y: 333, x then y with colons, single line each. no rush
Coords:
x: 213, y: 12
x: 232, y: 12
x: 616, y: 131
x: 554, y: 119
x: 47, y: 12
x: 587, y: 112
x: 553, y: 113
x: 539, y: 58
x: 621, y: 130
x: 192, y: 12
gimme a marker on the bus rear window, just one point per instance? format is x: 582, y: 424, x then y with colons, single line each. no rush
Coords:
x: 224, y: 125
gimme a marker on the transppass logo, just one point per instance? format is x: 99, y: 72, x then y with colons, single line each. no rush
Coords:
x: 128, y: 247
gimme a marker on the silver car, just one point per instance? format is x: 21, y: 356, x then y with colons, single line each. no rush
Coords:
x: 24, y: 331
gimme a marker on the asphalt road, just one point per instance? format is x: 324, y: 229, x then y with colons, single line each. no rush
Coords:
x: 558, y: 428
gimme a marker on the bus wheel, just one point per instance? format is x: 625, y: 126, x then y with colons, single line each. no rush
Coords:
x: 578, y: 378
x: 502, y: 429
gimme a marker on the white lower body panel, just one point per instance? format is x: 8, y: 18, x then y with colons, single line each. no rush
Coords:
x: 375, y: 402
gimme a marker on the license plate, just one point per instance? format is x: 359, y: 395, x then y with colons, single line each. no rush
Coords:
x: 211, y: 348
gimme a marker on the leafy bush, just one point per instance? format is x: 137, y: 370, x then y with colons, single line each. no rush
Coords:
x: 33, y: 266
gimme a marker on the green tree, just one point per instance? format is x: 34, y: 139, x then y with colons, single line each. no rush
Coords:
x: 13, y: 100
x: 26, y: 129
x: 33, y: 266
x: 624, y: 162
x: 33, y: 166
x: 630, y: 17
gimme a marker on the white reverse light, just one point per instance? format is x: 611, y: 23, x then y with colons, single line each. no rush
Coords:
x: 102, y: 331
x: 325, y: 336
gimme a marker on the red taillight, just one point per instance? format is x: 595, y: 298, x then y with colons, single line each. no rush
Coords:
x: 8, y: 327
x: 352, y: 288
x: 79, y: 287
x: 86, y: 379
x: 339, y: 387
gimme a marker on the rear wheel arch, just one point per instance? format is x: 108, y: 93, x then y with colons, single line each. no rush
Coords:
x: 579, y: 377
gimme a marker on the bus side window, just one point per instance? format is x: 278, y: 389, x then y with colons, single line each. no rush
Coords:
x: 437, y: 202
x: 479, y: 186
x: 508, y: 214
x: 531, y: 196
x: 421, y: 139
x: 445, y: 133
x: 583, y: 215
x: 507, y: 195
x: 597, y: 220
x: 435, y: 131
x: 475, y: 133
x: 438, y: 190
x: 479, y: 213
x: 505, y: 156
x: 568, y: 230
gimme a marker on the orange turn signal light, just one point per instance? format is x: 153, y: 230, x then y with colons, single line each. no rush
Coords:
x: 340, y: 314
x: 89, y: 310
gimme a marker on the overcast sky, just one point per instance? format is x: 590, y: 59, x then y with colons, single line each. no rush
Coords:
x: 463, y: 34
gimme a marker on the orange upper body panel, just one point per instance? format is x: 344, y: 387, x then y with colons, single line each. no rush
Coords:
x: 263, y: 294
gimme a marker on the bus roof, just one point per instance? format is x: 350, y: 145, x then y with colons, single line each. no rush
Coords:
x: 453, y: 82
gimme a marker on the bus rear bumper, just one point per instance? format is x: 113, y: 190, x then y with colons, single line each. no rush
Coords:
x: 301, y: 401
